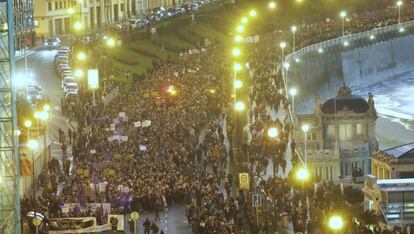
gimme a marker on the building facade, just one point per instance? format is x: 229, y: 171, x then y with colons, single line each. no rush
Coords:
x: 24, y: 32
x: 53, y: 17
x: 341, y: 135
x: 394, y: 163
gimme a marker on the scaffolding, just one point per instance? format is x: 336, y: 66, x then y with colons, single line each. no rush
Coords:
x: 9, y: 156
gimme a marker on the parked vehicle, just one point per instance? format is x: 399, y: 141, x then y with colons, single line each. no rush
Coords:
x: 67, y: 80
x: 53, y: 43
x: 71, y: 88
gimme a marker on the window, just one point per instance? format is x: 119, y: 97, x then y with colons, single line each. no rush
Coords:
x: 60, y: 5
x: 49, y: 6
x: 311, y: 136
x: 345, y: 132
x: 64, y: 4
x: 56, y: 6
x: 327, y: 173
x: 359, y: 130
x: 331, y: 131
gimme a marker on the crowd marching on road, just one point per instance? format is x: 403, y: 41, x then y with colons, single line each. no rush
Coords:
x: 166, y: 142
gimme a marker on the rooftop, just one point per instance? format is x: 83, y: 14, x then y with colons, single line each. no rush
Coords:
x: 402, y: 151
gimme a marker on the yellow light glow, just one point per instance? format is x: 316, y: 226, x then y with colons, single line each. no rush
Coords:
x: 237, y: 67
x: 77, y: 26
x: 32, y: 144
x: 37, y: 115
x: 244, y: 20
x: 238, y: 84
x: 272, y: 132
x: 46, y: 107
x: 236, y: 52
x: 294, y: 28
x: 110, y: 42
x: 81, y: 56
x: 212, y: 91
x: 293, y: 91
x: 342, y: 14
x: 399, y: 3
x: 272, y: 5
x: 336, y: 222
x: 238, y: 38
x: 305, y: 128
x: 239, y: 106
x: 44, y: 115
x: 78, y: 73
x: 282, y: 44
x: 302, y: 174
x: 240, y: 28
x: 71, y: 10
x: 252, y: 13
x: 27, y: 123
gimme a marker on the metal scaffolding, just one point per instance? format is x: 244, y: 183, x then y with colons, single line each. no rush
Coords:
x: 9, y: 155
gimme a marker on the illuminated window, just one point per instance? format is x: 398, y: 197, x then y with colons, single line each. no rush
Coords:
x: 345, y: 132
x: 359, y: 130
x: 331, y: 131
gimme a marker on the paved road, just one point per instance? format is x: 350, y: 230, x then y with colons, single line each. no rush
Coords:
x: 173, y: 220
x: 41, y: 65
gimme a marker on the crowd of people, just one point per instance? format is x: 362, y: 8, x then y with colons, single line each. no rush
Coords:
x: 168, y: 141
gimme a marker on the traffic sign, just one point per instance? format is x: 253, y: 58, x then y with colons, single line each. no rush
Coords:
x: 36, y: 221
x: 134, y: 215
x: 256, y: 200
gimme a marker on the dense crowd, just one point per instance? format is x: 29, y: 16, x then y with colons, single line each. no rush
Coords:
x: 168, y: 142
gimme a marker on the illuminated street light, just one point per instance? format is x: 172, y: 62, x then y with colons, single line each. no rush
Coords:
x: 81, y: 56
x: 320, y: 50
x: 240, y: 28
x: 272, y: 5
x: 238, y: 38
x: 32, y: 144
x: 212, y: 90
x: 252, y: 13
x: 272, y: 132
x: 37, y: 115
x: 343, y: 15
x: 28, y: 123
x: 77, y: 26
x: 71, y: 10
x: 236, y: 52
x: 372, y: 37
x: 402, y: 29
x: 110, y: 42
x: 238, y: 84
x: 239, y: 106
x: 286, y: 65
x: 78, y: 73
x: 336, y: 222
x: 293, y: 29
x: 46, y: 107
x: 44, y: 115
x: 282, y: 45
x: 305, y: 129
x: 297, y: 60
x: 237, y: 67
x: 244, y: 20
x: 346, y: 43
x: 302, y: 174
x: 399, y: 4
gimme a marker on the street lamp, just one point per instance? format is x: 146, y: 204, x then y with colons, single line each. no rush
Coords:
x: 237, y: 67
x: 293, y: 92
x: 239, y: 106
x: 71, y: 10
x: 272, y: 132
x: 302, y: 174
x: 294, y: 29
x: 238, y: 84
x: 110, y: 42
x: 283, y: 46
x: 335, y: 222
x: 343, y: 15
x: 81, y: 56
x: 305, y: 129
x: 399, y: 4
x: 236, y: 52
x: 240, y: 28
x: 28, y: 124
x: 238, y: 38
x: 78, y: 73
x: 46, y: 107
x: 272, y: 5
x: 32, y: 145
x: 252, y: 13
x: 244, y: 20
x: 77, y: 26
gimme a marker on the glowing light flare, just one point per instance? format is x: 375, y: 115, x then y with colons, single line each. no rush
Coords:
x: 293, y: 91
x: 272, y: 132
x: 236, y: 52
x: 27, y: 123
x: 32, y: 144
x: 239, y: 106
x: 272, y: 5
x: 244, y: 20
x: 336, y: 222
x: 252, y: 13
x: 305, y: 128
x: 302, y: 174
x: 238, y: 84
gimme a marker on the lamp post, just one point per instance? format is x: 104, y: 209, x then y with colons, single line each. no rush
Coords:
x: 44, y: 115
x: 294, y: 29
x: 343, y: 15
x: 399, y: 4
x: 293, y: 92
x: 273, y: 133
x: 303, y: 175
x: 336, y: 223
x: 28, y: 124
x: 32, y: 145
x: 305, y: 129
